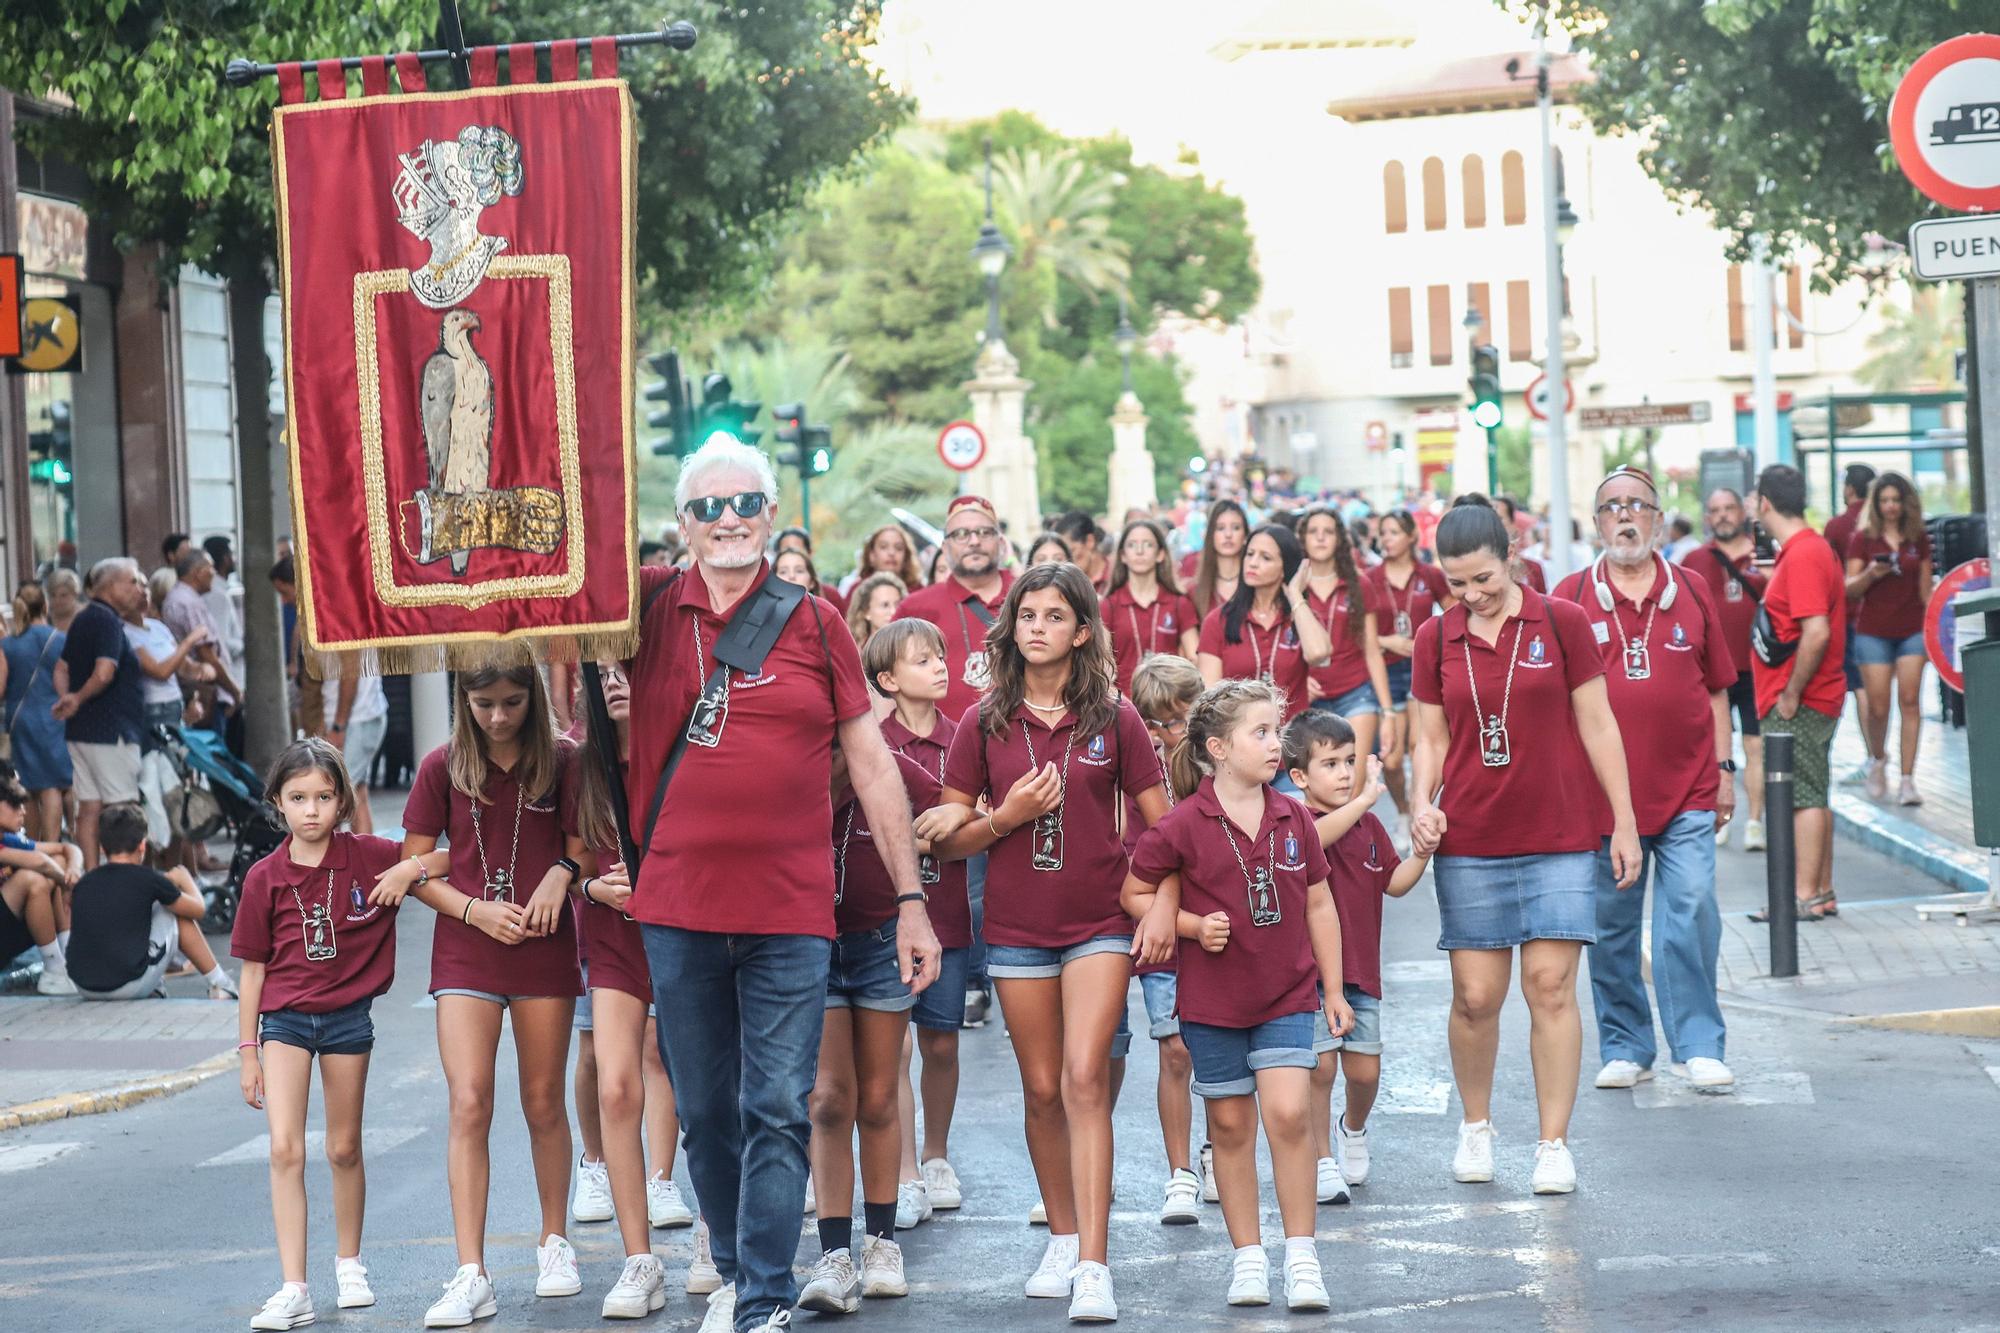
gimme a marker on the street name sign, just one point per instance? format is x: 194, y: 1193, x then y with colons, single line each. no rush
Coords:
x: 962, y: 446
x: 1944, y: 123
x: 1643, y: 416
x: 1964, y: 247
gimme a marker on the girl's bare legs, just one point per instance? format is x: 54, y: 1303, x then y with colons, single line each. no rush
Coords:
x: 287, y: 1090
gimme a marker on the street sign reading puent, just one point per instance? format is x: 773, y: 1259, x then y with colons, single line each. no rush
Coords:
x: 1947, y: 248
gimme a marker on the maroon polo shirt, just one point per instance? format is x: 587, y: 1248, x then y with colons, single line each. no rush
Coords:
x: 1839, y: 531
x: 1420, y: 598
x: 741, y: 843
x: 1808, y: 581
x: 1892, y: 608
x: 1665, y: 720
x: 1348, y: 667
x: 464, y: 957
x: 1277, y: 649
x: 1138, y: 630
x: 1359, y: 866
x: 867, y: 896
x: 611, y: 943
x: 270, y: 925
x: 951, y: 912
x: 1533, y: 575
x: 1734, y: 587
x: 1263, y: 972
x: 948, y: 605
x: 1544, y: 799
x: 1054, y: 909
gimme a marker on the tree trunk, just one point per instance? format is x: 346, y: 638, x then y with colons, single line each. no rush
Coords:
x: 267, y: 711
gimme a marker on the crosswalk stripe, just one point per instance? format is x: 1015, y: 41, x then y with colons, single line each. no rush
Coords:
x: 23, y: 1156
x: 374, y: 1140
x: 1635, y: 1263
x: 1771, y: 1087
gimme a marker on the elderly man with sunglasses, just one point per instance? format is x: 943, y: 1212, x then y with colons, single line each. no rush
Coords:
x: 1668, y: 666
x: 735, y: 886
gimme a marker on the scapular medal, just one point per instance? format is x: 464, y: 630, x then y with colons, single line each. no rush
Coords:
x: 711, y: 711
x: 1403, y: 624
x: 976, y: 674
x: 319, y: 934
x: 500, y: 887
x: 1493, y: 750
x: 1263, y: 898
x: 927, y: 869
x: 1638, y: 660
x: 1049, y: 841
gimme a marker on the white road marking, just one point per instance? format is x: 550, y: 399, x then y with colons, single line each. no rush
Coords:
x: 1993, y: 1072
x: 1440, y: 1303
x: 23, y: 1156
x: 1784, y: 1087
x: 257, y: 1151
x: 1422, y: 970
x: 1634, y: 1263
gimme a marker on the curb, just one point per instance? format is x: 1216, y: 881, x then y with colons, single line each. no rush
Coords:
x: 1961, y: 869
x: 115, y: 1098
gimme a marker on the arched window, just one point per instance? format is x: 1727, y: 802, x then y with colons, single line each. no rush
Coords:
x: 1433, y: 194
x: 1395, y: 200
x: 1513, y: 191
x: 1472, y: 174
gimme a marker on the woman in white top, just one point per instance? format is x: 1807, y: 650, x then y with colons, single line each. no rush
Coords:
x: 357, y: 719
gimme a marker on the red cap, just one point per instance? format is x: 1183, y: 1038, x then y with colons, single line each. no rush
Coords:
x: 1637, y: 474
x: 971, y: 502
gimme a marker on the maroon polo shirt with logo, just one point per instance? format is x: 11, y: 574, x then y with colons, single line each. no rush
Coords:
x: 1666, y: 720
x: 866, y: 894
x: 1420, y: 598
x: 950, y: 910
x: 1892, y: 608
x: 948, y: 605
x: 611, y: 943
x: 1734, y: 587
x: 464, y: 957
x: 1263, y: 972
x: 1138, y: 630
x: 1359, y: 865
x: 1054, y: 909
x: 270, y: 925
x: 1543, y: 800
x: 741, y: 846
x: 1347, y: 669
x: 1277, y: 649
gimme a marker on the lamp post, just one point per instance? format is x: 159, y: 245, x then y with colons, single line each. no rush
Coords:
x: 990, y: 252
x: 1126, y: 340
x: 1473, y: 322
x: 1558, y: 222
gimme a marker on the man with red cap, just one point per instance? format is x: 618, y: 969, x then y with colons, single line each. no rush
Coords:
x: 1668, y: 669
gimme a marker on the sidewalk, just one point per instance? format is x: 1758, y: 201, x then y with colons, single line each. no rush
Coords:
x: 1934, y: 838
x: 60, y: 1058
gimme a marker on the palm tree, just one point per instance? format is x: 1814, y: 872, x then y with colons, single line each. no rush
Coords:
x: 806, y: 367
x: 1058, y: 207
x: 874, y: 467
x: 1917, y: 346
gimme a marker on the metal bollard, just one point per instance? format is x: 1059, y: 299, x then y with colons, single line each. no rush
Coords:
x: 1781, y: 855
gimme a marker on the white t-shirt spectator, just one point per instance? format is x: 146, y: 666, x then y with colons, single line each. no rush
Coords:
x: 159, y: 643
x: 221, y: 604
x: 369, y: 701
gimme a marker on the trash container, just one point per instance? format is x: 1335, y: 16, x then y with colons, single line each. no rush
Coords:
x: 1981, y: 661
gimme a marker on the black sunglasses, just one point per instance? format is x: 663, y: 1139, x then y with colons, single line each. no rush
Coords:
x: 708, y: 508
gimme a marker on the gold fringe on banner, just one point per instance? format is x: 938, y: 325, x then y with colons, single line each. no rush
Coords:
x: 471, y: 655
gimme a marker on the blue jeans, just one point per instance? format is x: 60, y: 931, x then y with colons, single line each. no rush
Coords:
x: 739, y: 1025
x: 1687, y: 933
x: 975, y: 894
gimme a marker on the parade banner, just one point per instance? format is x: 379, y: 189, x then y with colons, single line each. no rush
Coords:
x: 456, y: 273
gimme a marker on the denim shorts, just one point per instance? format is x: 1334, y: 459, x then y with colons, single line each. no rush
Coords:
x: 1364, y: 1038
x: 1874, y: 650
x: 941, y: 1005
x: 586, y: 1017
x: 1399, y: 684
x: 862, y: 973
x: 1163, y: 999
x: 348, y: 1030
x: 1226, y: 1060
x: 1121, y: 1039
x: 1497, y: 902
x: 1020, y: 961
x: 1850, y: 665
x: 495, y: 996
x: 1357, y: 702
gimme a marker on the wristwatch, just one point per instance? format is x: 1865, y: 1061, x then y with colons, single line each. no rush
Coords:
x: 1726, y: 765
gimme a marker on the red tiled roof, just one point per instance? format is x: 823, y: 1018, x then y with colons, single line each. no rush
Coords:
x: 1480, y: 83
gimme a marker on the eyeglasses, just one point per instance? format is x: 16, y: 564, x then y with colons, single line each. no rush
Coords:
x: 1625, y: 508
x: 963, y: 535
x: 708, y: 508
x: 1179, y: 724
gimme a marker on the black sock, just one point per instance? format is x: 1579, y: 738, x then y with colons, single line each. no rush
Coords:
x: 880, y: 1219
x: 836, y: 1233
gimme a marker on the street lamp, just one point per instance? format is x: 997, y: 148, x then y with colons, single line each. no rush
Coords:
x: 990, y: 252
x: 1126, y: 339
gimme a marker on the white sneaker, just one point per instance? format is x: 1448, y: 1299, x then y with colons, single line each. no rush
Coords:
x: 812, y: 1201
x: 976, y: 1006
x: 664, y: 1208
x: 942, y: 1183
x: 289, y: 1307
x: 1353, y: 1148
x: 1753, y: 835
x: 558, y: 1276
x: 703, y: 1276
x: 779, y: 1322
x: 1051, y: 1276
x: 1208, y: 1194
x: 351, y: 1279
x: 1722, y: 835
x: 721, y: 1316
x: 1332, y: 1184
x: 831, y: 1287
x: 1038, y: 1216
x: 1305, y: 1286
x: 641, y: 1289
x: 1860, y: 774
x: 1183, y: 1204
x: 913, y: 1204
x: 1090, y: 1299
x: 1878, y: 778
x: 1473, y: 1162
x: 1622, y: 1074
x: 468, y: 1296
x: 1907, y: 793
x: 1250, y: 1278
x: 55, y: 981
x: 593, y: 1192
x: 882, y: 1269
x: 1706, y: 1072
x: 1555, y: 1169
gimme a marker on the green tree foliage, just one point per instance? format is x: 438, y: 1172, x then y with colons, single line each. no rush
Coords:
x: 1917, y: 346
x: 1057, y: 208
x: 1073, y: 435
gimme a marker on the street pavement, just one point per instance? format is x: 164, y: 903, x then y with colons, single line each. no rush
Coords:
x: 1847, y: 1183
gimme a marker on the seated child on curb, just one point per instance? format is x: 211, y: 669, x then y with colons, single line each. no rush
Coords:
x: 127, y: 919
x: 35, y: 879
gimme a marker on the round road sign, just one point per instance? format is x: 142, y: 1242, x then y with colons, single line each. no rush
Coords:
x: 962, y: 446
x: 1941, y: 626
x: 51, y: 334
x: 1945, y: 123
x: 1539, y: 398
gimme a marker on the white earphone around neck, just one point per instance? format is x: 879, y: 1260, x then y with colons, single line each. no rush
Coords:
x: 1602, y: 585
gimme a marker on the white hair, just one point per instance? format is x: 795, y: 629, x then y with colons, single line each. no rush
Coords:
x: 110, y: 565
x: 725, y: 455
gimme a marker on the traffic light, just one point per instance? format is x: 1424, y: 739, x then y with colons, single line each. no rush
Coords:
x: 810, y: 448
x: 723, y: 415
x: 1485, y: 382
x: 819, y: 450
x: 674, y: 418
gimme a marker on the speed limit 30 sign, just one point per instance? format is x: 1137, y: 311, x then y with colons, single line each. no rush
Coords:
x: 962, y: 446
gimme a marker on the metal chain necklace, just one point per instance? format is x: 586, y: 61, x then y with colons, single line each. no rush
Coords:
x: 1638, y: 656
x: 1402, y: 605
x: 928, y: 869
x: 318, y: 924
x: 1257, y: 651
x: 1049, y: 827
x: 1494, y: 748
x: 978, y: 674
x: 1332, y: 607
x: 1264, y: 910
x: 499, y: 884
x: 711, y: 707
x: 840, y: 855
x: 1152, y: 628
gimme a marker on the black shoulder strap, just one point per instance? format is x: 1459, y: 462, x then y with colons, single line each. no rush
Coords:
x: 1734, y: 575
x: 979, y: 610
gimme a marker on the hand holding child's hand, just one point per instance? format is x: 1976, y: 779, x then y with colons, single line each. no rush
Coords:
x: 1214, y: 931
x: 1424, y: 838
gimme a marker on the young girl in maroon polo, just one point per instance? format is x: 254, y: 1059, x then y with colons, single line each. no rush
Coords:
x: 1355, y: 681
x: 1144, y: 608
x: 1266, y: 631
x: 1253, y: 892
x: 1053, y: 748
x: 317, y: 936
x: 1213, y: 573
x: 505, y: 943
x: 1407, y: 593
x: 1514, y: 724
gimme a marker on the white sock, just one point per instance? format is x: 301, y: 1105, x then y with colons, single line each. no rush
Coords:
x: 1300, y: 1247
x: 1244, y: 1252
x: 62, y: 940
x: 299, y: 1286
x: 52, y: 955
x: 215, y: 976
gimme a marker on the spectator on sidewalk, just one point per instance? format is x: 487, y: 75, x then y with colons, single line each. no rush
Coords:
x: 185, y: 611
x: 1727, y: 562
x: 1888, y: 563
x: 35, y: 878
x: 1839, y: 530
x: 99, y: 700
x: 222, y: 608
x: 1800, y: 687
x: 28, y: 659
x: 357, y: 720
x: 175, y: 546
x: 65, y: 592
x: 129, y: 922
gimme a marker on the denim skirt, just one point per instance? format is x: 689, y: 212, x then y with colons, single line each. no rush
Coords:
x: 1497, y: 902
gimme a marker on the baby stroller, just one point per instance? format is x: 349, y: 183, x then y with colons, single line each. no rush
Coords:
x: 218, y: 793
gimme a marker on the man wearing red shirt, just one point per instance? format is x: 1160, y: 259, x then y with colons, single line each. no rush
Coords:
x: 1801, y: 695
x: 1667, y: 668
x: 1840, y: 529
x: 1736, y: 587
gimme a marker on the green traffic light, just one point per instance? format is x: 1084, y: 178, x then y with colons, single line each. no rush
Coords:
x: 1486, y: 413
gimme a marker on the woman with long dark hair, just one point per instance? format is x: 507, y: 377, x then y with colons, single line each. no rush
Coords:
x: 1048, y: 548
x: 1889, y: 571
x: 1408, y: 592
x: 1354, y: 682
x: 1514, y: 737
x: 1144, y: 608
x: 887, y: 550
x: 1218, y: 567
x: 1266, y: 630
